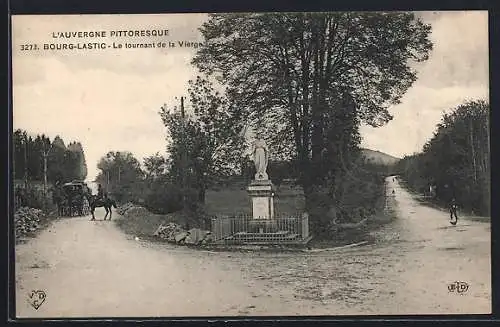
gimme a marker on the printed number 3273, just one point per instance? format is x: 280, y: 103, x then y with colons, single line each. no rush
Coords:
x: 28, y: 47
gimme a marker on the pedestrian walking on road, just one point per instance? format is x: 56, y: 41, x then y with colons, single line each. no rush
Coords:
x: 453, y: 212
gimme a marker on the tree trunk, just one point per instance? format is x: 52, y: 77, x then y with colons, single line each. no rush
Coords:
x: 487, y: 152
x: 45, y: 173
x: 317, y: 117
x: 201, y: 195
x: 471, y: 137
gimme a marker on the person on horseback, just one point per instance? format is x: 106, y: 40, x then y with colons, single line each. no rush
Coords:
x: 100, y: 192
x: 102, y: 200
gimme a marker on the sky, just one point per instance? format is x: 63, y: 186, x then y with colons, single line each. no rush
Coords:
x: 109, y: 99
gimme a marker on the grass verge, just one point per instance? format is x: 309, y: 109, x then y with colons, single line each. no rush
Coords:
x: 233, y: 200
x: 142, y: 223
x: 362, y: 233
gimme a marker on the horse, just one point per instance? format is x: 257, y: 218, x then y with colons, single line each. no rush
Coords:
x: 105, y: 202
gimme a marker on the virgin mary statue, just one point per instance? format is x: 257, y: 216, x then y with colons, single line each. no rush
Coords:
x: 260, y: 158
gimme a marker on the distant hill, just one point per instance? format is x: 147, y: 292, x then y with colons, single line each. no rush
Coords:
x: 378, y: 157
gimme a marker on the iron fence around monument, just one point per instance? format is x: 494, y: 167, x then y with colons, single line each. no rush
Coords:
x: 244, y: 229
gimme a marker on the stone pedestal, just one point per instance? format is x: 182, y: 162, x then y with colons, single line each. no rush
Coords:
x: 261, y: 193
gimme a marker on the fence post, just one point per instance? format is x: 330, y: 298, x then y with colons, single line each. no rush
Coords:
x: 305, y: 225
x: 216, y: 229
x: 212, y: 228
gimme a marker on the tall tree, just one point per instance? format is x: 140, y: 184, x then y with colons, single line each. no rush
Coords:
x: 56, y: 161
x: 120, y: 174
x: 456, y: 159
x: 205, y: 144
x: 18, y: 154
x: 36, y: 158
x: 155, y: 166
x: 77, y: 165
x: 289, y: 72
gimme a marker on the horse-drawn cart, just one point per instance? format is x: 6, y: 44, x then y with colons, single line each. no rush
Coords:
x: 73, y: 199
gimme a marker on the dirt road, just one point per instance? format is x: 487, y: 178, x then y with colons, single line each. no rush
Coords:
x: 91, y: 269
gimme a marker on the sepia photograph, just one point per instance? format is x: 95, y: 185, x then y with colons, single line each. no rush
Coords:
x: 251, y: 164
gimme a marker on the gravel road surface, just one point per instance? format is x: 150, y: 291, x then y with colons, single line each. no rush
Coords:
x: 92, y: 269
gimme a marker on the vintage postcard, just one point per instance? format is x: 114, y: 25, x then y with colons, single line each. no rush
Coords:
x: 251, y: 164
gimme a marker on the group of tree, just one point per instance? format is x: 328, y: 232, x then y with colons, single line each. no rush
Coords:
x: 153, y: 185
x: 204, y: 144
x: 120, y: 174
x: 456, y: 159
x: 310, y: 79
x: 35, y: 157
x: 307, y: 81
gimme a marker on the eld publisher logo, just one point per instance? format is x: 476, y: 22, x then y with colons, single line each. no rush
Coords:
x: 458, y: 287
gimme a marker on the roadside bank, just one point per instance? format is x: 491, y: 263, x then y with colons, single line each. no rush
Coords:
x: 141, y: 224
x: 28, y: 222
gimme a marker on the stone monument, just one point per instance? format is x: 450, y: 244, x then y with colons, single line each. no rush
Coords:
x: 261, y: 187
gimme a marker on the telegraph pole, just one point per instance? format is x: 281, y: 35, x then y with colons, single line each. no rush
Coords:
x: 45, y: 154
x: 107, y: 181
x: 182, y: 107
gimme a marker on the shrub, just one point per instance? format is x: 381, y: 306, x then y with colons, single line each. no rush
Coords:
x: 35, y: 198
x: 358, y: 194
x: 163, y: 198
